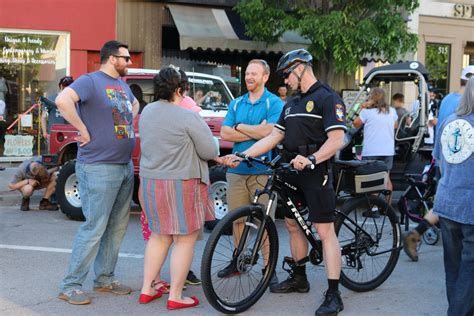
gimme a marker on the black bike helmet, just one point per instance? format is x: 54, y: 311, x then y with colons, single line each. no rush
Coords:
x: 292, y: 57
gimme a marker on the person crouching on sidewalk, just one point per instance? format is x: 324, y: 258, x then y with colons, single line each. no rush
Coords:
x: 32, y: 175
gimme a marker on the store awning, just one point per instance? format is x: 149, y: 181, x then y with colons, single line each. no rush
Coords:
x: 219, y: 29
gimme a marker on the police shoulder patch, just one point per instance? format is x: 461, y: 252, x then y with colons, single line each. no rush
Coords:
x: 339, y: 108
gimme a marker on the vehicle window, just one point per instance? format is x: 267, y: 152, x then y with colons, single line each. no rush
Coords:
x: 209, y: 94
x: 146, y: 86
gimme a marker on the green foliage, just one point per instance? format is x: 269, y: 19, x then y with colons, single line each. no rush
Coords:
x: 341, y: 32
x: 437, y: 59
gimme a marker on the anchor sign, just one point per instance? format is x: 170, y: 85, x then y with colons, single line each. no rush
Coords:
x: 457, y: 141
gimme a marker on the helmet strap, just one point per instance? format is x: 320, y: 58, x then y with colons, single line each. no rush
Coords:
x: 300, y: 77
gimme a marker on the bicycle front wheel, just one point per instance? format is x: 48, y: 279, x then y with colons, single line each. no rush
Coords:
x: 369, y: 235
x: 236, y: 268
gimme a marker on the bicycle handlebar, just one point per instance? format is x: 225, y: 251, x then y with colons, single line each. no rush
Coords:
x: 272, y: 164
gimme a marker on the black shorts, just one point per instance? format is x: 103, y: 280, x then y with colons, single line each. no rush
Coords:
x: 320, y: 199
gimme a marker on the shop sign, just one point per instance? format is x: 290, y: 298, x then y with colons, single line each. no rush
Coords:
x: 18, y: 145
x: 465, y: 11
x: 348, y: 96
x: 27, y: 49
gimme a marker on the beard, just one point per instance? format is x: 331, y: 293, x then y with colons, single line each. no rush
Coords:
x: 122, y: 71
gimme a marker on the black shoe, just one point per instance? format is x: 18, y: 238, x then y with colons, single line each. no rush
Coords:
x: 25, y: 204
x: 192, y: 279
x: 229, y: 271
x: 294, y: 283
x: 332, y: 304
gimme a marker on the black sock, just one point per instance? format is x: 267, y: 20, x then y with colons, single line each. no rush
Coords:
x: 333, y: 285
x: 300, y: 270
x: 423, y: 226
x: 43, y: 199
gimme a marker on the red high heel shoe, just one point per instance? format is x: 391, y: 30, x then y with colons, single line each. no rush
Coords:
x: 145, y: 298
x: 176, y: 305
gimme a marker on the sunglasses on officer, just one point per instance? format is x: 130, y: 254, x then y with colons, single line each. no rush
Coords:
x: 288, y: 71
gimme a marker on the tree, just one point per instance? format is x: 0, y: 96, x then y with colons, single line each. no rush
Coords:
x: 341, y: 32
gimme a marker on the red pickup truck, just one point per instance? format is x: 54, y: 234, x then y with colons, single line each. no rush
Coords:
x: 211, y: 93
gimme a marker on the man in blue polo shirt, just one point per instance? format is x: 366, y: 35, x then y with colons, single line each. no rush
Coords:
x: 250, y: 117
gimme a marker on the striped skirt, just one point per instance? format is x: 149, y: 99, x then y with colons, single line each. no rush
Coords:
x: 174, y: 207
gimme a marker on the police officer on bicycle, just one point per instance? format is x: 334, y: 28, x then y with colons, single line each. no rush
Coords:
x: 311, y: 129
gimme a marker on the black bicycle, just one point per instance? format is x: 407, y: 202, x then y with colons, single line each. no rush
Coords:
x: 367, y: 229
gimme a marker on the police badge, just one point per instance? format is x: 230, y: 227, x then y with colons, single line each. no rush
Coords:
x: 309, y: 106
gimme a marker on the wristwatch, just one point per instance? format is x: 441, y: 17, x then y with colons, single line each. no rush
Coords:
x: 312, y: 159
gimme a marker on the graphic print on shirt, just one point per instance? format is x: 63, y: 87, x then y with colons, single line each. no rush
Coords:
x: 457, y: 140
x: 122, y: 114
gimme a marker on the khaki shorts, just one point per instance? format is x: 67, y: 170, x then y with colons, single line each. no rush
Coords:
x: 241, y: 190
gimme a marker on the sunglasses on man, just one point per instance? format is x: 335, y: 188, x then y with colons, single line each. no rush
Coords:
x: 127, y: 58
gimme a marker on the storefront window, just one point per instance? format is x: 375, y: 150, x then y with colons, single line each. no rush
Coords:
x: 437, y: 63
x: 31, y: 64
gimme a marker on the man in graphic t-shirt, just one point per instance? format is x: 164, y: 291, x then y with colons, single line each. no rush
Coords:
x: 106, y: 108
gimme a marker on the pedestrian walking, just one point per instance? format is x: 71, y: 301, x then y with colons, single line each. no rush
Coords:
x: 448, y: 106
x: 453, y: 203
x: 106, y: 108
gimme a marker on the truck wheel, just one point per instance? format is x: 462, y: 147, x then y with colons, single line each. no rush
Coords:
x: 67, y: 191
x: 218, y: 194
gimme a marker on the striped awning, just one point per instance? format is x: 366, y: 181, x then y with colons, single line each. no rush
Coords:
x: 219, y: 29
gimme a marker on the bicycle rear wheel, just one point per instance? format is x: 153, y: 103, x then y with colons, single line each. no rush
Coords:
x: 369, y: 235
x: 238, y: 291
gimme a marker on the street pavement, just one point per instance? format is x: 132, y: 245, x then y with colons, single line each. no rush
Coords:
x: 35, y: 251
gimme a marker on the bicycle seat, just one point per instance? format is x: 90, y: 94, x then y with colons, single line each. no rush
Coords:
x: 352, y: 163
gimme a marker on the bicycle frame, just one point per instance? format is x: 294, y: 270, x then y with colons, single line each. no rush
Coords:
x: 275, y: 187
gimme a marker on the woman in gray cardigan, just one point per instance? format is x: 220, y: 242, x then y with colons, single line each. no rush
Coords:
x: 175, y: 146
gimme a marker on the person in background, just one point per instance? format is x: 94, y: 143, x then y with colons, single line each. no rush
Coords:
x: 398, y: 103
x: 250, y: 117
x: 379, y: 121
x: 282, y: 92
x: 174, y: 179
x: 3, y: 88
x: 198, y: 96
x: 51, y: 114
x: 3, y: 126
x: 453, y: 203
x: 448, y: 106
x: 138, y: 94
x: 189, y: 104
x: 31, y: 176
x: 104, y: 118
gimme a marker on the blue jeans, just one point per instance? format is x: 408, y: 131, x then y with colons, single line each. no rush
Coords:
x: 458, y: 245
x: 106, y: 192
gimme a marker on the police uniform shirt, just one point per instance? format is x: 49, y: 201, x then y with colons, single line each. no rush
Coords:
x: 308, y: 117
